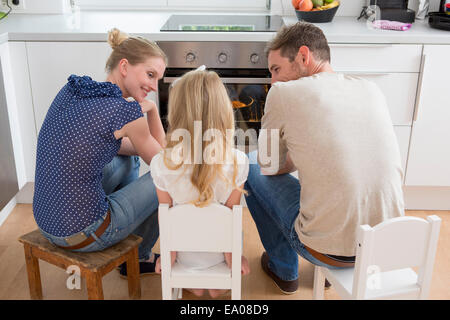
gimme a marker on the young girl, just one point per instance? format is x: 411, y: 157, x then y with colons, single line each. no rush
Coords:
x: 199, y: 103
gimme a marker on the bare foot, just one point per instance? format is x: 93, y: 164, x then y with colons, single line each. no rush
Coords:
x: 245, y: 266
x: 158, y: 265
x: 196, y: 292
x: 214, y: 293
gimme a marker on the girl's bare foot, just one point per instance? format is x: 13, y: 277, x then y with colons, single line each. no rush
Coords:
x: 245, y: 266
x: 196, y: 292
x: 214, y: 293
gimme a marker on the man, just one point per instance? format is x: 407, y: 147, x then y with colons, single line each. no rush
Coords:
x: 337, y: 132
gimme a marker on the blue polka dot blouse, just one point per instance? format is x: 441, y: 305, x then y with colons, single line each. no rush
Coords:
x: 75, y: 142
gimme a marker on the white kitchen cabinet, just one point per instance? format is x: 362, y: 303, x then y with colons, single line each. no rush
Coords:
x: 395, y: 69
x: 376, y: 57
x: 429, y: 154
x: 399, y: 90
x: 8, y: 174
x: 403, y: 133
x: 51, y: 63
x: 11, y: 116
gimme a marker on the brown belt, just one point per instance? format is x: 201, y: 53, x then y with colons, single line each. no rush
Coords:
x: 91, y: 239
x: 325, y: 259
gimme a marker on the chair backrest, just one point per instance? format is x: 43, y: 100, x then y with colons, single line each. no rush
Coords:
x: 394, y: 244
x: 214, y: 228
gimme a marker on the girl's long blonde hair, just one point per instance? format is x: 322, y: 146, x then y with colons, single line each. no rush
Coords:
x: 201, y: 96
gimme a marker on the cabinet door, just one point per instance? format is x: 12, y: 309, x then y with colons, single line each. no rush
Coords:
x: 429, y: 153
x: 8, y: 177
x: 51, y: 63
x: 399, y: 90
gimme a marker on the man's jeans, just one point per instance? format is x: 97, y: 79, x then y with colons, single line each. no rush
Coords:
x: 274, y: 203
x: 133, y: 205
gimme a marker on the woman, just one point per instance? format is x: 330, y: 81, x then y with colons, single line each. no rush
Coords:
x: 87, y: 192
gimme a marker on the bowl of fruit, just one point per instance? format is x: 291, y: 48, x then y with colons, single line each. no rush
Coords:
x: 315, y: 10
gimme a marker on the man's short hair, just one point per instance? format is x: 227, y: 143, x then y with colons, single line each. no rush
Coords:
x: 290, y: 38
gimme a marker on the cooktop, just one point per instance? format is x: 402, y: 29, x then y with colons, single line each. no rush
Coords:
x: 223, y: 23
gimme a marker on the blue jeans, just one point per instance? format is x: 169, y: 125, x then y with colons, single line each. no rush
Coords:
x: 133, y: 205
x: 274, y: 203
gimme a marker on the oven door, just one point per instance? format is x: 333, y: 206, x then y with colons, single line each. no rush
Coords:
x: 247, y: 92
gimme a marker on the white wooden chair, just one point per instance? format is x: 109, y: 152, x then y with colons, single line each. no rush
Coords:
x: 214, y: 228
x: 384, y: 257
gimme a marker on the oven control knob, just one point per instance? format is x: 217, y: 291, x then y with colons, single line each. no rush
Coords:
x: 254, y: 58
x: 190, y: 57
x: 223, y: 57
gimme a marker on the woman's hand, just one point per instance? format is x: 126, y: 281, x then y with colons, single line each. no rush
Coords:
x: 154, y: 121
x: 147, y: 105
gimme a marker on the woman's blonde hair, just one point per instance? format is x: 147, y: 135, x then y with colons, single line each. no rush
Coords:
x: 201, y: 96
x: 134, y: 49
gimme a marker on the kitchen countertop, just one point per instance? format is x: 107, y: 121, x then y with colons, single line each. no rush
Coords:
x: 93, y: 26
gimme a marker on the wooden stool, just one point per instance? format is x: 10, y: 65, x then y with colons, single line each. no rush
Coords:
x: 93, y: 265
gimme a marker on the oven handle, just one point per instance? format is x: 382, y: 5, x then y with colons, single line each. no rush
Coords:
x: 229, y: 80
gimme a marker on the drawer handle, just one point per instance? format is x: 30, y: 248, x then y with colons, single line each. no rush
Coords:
x: 419, y: 88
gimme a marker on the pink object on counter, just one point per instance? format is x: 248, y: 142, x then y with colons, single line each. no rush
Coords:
x: 391, y: 25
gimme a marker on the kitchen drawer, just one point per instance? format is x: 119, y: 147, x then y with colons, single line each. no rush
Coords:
x: 376, y: 57
x: 399, y: 90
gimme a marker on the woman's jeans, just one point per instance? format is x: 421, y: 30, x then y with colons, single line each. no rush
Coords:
x: 274, y: 203
x: 133, y: 205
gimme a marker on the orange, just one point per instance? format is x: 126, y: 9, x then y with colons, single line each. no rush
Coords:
x: 295, y: 4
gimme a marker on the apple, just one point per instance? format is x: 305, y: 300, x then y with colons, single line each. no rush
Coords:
x: 305, y: 5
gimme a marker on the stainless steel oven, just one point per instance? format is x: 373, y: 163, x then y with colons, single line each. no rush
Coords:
x: 242, y: 66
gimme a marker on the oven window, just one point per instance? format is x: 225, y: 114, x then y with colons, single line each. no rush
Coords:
x: 248, y: 104
x: 247, y: 90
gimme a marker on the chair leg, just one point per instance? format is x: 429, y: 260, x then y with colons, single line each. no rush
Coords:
x: 134, y: 283
x: 319, y: 283
x: 176, y: 293
x: 94, y: 286
x: 34, y: 275
x: 167, y: 293
x: 235, y: 294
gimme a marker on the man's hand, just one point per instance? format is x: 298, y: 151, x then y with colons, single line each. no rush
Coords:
x: 147, y: 105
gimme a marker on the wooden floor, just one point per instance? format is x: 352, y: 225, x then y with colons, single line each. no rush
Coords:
x: 14, y: 284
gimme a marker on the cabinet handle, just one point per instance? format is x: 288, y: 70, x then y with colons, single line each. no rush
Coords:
x: 419, y: 88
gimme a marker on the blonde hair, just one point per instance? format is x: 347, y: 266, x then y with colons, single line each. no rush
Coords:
x: 134, y: 49
x: 201, y: 96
